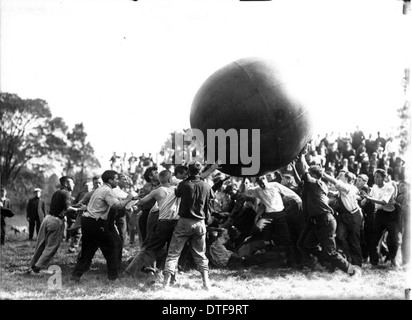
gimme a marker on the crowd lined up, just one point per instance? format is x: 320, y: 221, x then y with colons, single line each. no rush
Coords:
x: 343, y: 203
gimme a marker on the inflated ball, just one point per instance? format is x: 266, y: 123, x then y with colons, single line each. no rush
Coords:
x: 250, y: 94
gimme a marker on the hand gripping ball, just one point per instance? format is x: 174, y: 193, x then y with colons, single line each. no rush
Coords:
x: 249, y: 94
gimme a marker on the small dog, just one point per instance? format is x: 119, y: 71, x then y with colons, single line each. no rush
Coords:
x: 18, y: 229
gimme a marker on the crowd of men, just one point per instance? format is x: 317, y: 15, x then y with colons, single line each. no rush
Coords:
x: 343, y: 203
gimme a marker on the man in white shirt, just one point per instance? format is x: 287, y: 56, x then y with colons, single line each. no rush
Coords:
x: 271, y: 221
x: 386, y: 218
x: 350, y: 217
x: 97, y: 233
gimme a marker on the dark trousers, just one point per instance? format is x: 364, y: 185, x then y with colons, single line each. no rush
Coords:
x: 318, y: 239
x: 367, y: 234
x: 278, y: 231
x: 348, y: 235
x: 150, y: 224
x: 143, y: 223
x: 156, y: 246
x: 3, y: 234
x: 96, y: 235
x: 390, y: 222
x: 296, y: 224
x: 34, y: 223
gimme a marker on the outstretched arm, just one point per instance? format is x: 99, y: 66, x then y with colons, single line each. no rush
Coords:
x: 302, y: 166
x: 212, y: 168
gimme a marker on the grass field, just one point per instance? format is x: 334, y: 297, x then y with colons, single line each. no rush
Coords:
x: 254, y: 283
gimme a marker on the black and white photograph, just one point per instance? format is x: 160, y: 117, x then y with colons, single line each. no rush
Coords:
x: 204, y: 154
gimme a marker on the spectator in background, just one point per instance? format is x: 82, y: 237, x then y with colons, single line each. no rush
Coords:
x: 390, y: 147
x: 5, y: 212
x: 380, y: 141
x: 348, y: 151
x: 370, y: 145
x: 35, y: 212
x: 115, y: 162
x: 398, y: 169
x: 357, y: 138
x: 353, y: 165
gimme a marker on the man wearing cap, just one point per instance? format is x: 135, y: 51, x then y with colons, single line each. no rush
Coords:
x: 194, y: 209
x: 36, y: 211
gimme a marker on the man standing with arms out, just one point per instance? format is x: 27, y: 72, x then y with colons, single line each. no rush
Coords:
x: 318, y: 236
x: 36, y: 212
x: 163, y: 229
x: 350, y: 217
x: 52, y: 227
x: 96, y: 233
x: 194, y: 209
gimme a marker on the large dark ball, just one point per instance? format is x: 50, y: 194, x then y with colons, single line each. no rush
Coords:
x: 255, y: 93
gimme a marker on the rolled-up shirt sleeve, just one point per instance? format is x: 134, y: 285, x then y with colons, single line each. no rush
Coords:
x: 113, y: 201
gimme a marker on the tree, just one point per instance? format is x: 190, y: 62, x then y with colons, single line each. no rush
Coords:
x: 80, y: 153
x: 27, y: 131
x: 404, y: 114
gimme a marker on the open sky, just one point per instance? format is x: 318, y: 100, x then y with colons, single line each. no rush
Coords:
x: 129, y: 70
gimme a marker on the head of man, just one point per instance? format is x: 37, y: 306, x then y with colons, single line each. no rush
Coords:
x: 37, y: 192
x: 195, y: 168
x: 87, y: 186
x: 316, y: 171
x: 361, y: 181
x: 67, y: 183
x: 346, y: 176
x: 165, y: 176
x: 123, y: 181
x: 97, y: 182
x: 111, y: 177
x: 3, y: 193
x: 181, y: 172
x: 151, y: 174
x: 270, y: 176
x: 403, y: 187
x: 379, y: 177
x: 288, y: 181
x: 262, y: 182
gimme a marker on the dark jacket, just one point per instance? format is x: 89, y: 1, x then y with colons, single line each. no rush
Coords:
x: 36, y: 207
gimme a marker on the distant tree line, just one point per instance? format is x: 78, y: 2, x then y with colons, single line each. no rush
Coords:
x: 33, y: 145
